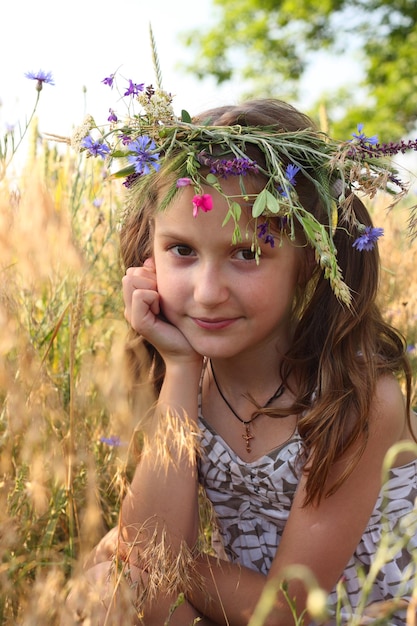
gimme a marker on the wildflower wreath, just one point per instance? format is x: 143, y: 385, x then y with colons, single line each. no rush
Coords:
x: 153, y: 139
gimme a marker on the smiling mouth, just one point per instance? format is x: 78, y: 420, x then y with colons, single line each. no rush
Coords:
x: 214, y: 324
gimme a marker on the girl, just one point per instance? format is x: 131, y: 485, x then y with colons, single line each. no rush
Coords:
x: 250, y: 287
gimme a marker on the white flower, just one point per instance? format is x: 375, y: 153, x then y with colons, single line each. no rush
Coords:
x: 158, y: 105
x: 82, y: 131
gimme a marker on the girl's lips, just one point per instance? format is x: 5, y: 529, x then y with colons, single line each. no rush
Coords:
x: 215, y: 324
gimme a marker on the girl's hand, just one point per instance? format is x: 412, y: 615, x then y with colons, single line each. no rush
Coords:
x: 143, y: 312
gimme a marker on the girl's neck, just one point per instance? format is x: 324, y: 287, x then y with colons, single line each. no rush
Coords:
x: 241, y: 377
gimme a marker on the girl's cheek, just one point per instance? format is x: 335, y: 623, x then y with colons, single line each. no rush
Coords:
x: 166, y: 294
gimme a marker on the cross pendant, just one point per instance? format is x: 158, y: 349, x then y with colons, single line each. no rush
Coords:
x: 247, y: 437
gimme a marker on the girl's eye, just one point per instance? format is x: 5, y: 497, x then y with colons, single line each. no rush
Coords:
x: 245, y: 254
x: 181, y: 250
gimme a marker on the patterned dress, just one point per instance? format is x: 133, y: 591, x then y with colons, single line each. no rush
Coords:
x: 252, y: 502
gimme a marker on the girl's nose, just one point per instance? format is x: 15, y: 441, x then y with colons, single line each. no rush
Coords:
x: 210, y: 286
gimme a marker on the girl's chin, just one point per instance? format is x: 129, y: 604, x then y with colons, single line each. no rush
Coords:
x: 215, y: 352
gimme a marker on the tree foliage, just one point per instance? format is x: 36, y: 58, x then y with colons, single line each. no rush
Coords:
x: 269, y: 44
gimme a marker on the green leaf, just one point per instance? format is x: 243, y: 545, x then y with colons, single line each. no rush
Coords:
x: 211, y: 179
x: 118, y: 154
x: 272, y: 203
x: 265, y: 200
x: 260, y: 204
x: 237, y: 210
x: 185, y: 117
x: 126, y: 171
x: 227, y: 218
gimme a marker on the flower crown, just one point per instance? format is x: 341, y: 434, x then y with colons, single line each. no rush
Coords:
x: 154, y: 139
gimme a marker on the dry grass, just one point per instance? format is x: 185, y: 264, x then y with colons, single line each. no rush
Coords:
x: 61, y: 368
x: 61, y: 374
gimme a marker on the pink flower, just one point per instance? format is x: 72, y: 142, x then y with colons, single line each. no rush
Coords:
x: 203, y: 202
x: 184, y: 182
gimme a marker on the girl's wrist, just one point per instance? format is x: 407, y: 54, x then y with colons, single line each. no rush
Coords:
x: 189, y: 366
x: 181, y: 385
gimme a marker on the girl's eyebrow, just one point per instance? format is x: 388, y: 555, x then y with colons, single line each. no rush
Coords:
x: 170, y: 232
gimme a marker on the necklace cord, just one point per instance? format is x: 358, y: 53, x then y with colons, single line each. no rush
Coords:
x: 278, y: 393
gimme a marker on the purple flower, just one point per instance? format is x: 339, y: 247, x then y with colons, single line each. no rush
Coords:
x: 227, y: 167
x: 143, y: 159
x: 109, y: 80
x: 362, y: 138
x: 264, y: 233
x: 263, y: 230
x: 130, y: 180
x: 125, y: 139
x: 41, y: 77
x: 112, y: 117
x: 184, y: 182
x: 134, y: 88
x: 111, y: 441
x: 368, y: 239
x: 95, y: 148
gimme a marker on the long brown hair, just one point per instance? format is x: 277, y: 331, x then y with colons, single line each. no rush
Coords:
x: 338, y: 352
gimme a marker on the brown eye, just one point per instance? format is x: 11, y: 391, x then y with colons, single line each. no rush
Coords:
x: 245, y: 254
x: 181, y: 250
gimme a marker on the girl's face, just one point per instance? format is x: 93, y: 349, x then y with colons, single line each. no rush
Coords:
x: 214, y: 292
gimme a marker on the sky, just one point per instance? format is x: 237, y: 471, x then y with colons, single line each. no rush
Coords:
x: 83, y: 41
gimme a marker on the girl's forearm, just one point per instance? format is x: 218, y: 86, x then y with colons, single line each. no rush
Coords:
x: 228, y: 594
x: 163, y: 495
x: 225, y: 592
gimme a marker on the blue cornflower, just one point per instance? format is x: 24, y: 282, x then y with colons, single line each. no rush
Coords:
x: 111, y: 441
x: 368, y: 239
x: 290, y: 172
x: 41, y: 77
x: 95, y: 148
x: 360, y: 136
x: 143, y: 159
x: 134, y: 88
x: 108, y: 81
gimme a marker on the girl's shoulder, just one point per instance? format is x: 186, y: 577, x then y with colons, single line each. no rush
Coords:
x: 389, y: 424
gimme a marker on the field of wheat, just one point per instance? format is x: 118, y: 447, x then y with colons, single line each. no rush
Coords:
x: 65, y: 424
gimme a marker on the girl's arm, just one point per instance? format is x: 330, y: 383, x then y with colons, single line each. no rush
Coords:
x: 162, y: 497
x: 322, y: 537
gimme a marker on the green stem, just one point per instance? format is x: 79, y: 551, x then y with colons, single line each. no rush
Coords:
x: 22, y: 136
